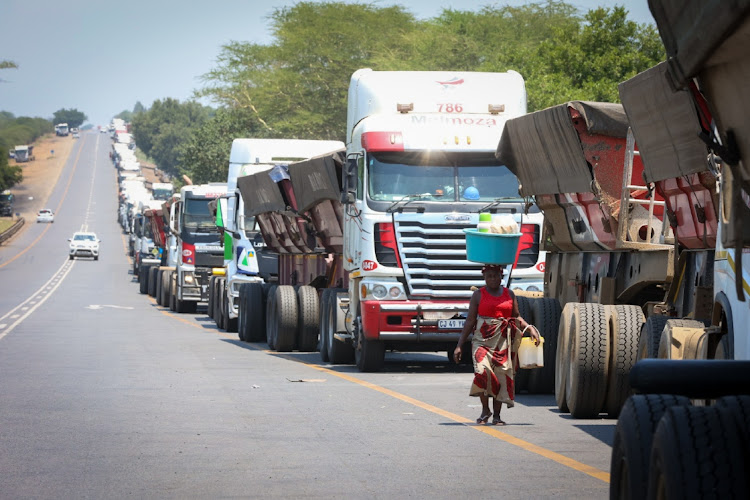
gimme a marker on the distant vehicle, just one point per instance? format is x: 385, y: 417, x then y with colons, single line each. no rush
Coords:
x: 84, y: 244
x: 45, y: 215
x: 11, y: 153
x: 75, y: 132
x: 62, y: 129
x: 24, y: 154
x: 6, y: 204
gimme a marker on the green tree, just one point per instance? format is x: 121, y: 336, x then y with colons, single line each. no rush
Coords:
x: 205, y: 156
x: 10, y: 175
x: 4, y: 64
x: 125, y: 115
x: 72, y: 117
x: 138, y: 108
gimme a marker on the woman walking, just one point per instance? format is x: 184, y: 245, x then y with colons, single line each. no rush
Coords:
x: 493, y: 318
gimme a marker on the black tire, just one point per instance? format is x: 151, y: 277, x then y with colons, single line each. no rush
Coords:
x: 143, y: 279
x: 210, y: 305
x: 96, y: 257
x: 648, y: 343
x: 369, y: 355
x: 586, y: 386
x: 255, y: 323
x: 338, y: 352
x: 697, y: 453
x: 308, y: 327
x: 159, y: 277
x: 242, y: 312
x: 631, y: 449
x: 230, y: 324
x: 152, y: 272
x: 165, y: 288
x: 219, y: 304
x: 70, y: 257
x: 287, y: 314
x: 546, y: 317
x: 271, y: 325
x: 664, y: 348
x: 323, y: 322
x: 625, y: 323
x: 172, y: 292
x: 562, y: 356
x: 521, y: 379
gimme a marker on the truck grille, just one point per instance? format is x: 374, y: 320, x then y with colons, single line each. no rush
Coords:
x: 433, y: 255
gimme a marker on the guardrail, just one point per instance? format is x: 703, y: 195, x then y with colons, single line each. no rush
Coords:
x: 11, y: 230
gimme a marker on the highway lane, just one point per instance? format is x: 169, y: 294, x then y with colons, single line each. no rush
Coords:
x: 104, y: 394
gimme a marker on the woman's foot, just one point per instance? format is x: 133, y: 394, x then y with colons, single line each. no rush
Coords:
x: 484, y: 417
x: 497, y: 421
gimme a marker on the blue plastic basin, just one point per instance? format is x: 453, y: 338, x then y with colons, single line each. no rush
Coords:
x: 491, y: 248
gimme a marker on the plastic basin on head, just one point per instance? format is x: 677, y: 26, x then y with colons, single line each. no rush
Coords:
x: 491, y: 248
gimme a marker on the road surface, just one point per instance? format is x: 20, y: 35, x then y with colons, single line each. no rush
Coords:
x: 104, y: 394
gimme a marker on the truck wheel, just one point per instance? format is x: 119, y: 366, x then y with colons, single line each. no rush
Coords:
x: 562, y: 356
x: 369, y: 354
x: 230, y: 324
x: 172, y: 292
x: 625, y: 323
x: 255, y: 312
x: 143, y: 279
x: 271, y: 325
x: 521, y: 380
x: 631, y: 449
x: 697, y: 454
x: 218, y: 304
x: 648, y: 343
x: 323, y: 344
x: 159, y: 277
x: 210, y: 305
x: 286, y: 317
x: 586, y: 386
x: 664, y: 351
x: 338, y: 352
x: 546, y: 317
x: 152, y: 272
x: 165, y: 288
x: 308, y: 327
x: 242, y: 312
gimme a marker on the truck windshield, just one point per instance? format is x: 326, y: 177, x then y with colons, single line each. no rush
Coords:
x: 439, y: 177
x: 197, y: 214
x: 162, y: 194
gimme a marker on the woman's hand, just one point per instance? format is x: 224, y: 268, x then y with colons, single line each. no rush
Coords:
x: 535, y: 335
x: 457, y: 354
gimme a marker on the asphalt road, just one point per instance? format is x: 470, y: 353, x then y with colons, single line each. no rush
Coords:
x: 104, y: 394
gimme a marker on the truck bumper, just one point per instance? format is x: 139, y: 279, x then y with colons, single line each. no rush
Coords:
x: 412, y: 321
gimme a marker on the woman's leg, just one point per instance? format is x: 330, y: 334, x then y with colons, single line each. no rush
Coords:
x: 486, y: 413
x: 497, y: 406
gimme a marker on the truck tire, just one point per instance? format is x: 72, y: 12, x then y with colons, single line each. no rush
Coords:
x: 143, y: 279
x: 648, y: 343
x: 369, y: 354
x: 546, y: 317
x: 271, y: 324
x: 286, y: 317
x: 631, y: 449
x: 165, y: 288
x: 625, y: 322
x: 172, y: 292
x: 323, y: 344
x: 524, y: 302
x: 697, y: 453
x: 308, y: 327
x: 218, y: 304
x: 230, y: 324
x: 242, y: 313
x: 152, y: 272
x: 338, y: 352
x: 586, y: 386
x: 562, y: 356
x: 210, y: 305
x: 664, y: 349
x: 159, y: 277
x: 255, y: 312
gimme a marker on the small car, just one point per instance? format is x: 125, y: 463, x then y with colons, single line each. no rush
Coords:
x: 84, y: 244
x: 45, y: 215
x: 76, y: 135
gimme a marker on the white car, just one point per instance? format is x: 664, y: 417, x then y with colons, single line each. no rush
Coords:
x: 45, y: 215
x: 84, y: 245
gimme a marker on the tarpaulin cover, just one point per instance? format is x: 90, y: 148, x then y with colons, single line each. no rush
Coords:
x: 260, y: 194
x: 693, y: 29
x: 317, y: 179
x: 665, y: 126
x: 544, y: 151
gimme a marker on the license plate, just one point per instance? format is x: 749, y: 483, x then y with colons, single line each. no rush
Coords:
x: 451, y: 324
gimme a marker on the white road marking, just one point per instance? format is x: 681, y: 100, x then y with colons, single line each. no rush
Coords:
x: 3, y: 326
x: 95, y: 307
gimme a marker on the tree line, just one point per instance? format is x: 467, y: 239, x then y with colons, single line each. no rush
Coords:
x: 296, y: 86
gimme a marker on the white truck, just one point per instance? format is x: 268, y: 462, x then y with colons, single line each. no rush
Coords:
x: 193, y: 246
x: 61, y: 129
x: 24, y: 154
x: 241, y: 264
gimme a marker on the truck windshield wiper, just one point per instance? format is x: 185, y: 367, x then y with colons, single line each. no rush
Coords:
x: 408, y: 198
x: 497, y: 202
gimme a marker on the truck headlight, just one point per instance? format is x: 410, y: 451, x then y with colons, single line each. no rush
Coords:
x: 188, y: 279
x: 379, y: 292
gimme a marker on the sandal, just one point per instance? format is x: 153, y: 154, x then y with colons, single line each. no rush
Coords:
x: 496, y: 420
x: 484, y: 418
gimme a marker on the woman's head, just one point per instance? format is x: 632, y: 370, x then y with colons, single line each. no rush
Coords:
x: 493, y: 275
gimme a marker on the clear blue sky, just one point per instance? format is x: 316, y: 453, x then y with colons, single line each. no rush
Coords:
x: 101, y: 56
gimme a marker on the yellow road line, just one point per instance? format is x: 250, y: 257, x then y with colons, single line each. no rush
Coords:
x: 57, y: 209
x: 491, y: 431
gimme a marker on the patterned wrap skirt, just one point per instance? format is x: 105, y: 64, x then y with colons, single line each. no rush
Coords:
x: 495, y: 359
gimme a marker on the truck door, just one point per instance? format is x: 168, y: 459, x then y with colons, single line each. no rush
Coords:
x: 353, y: 189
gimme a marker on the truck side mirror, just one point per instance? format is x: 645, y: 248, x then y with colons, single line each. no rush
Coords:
x: 349, y: 191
